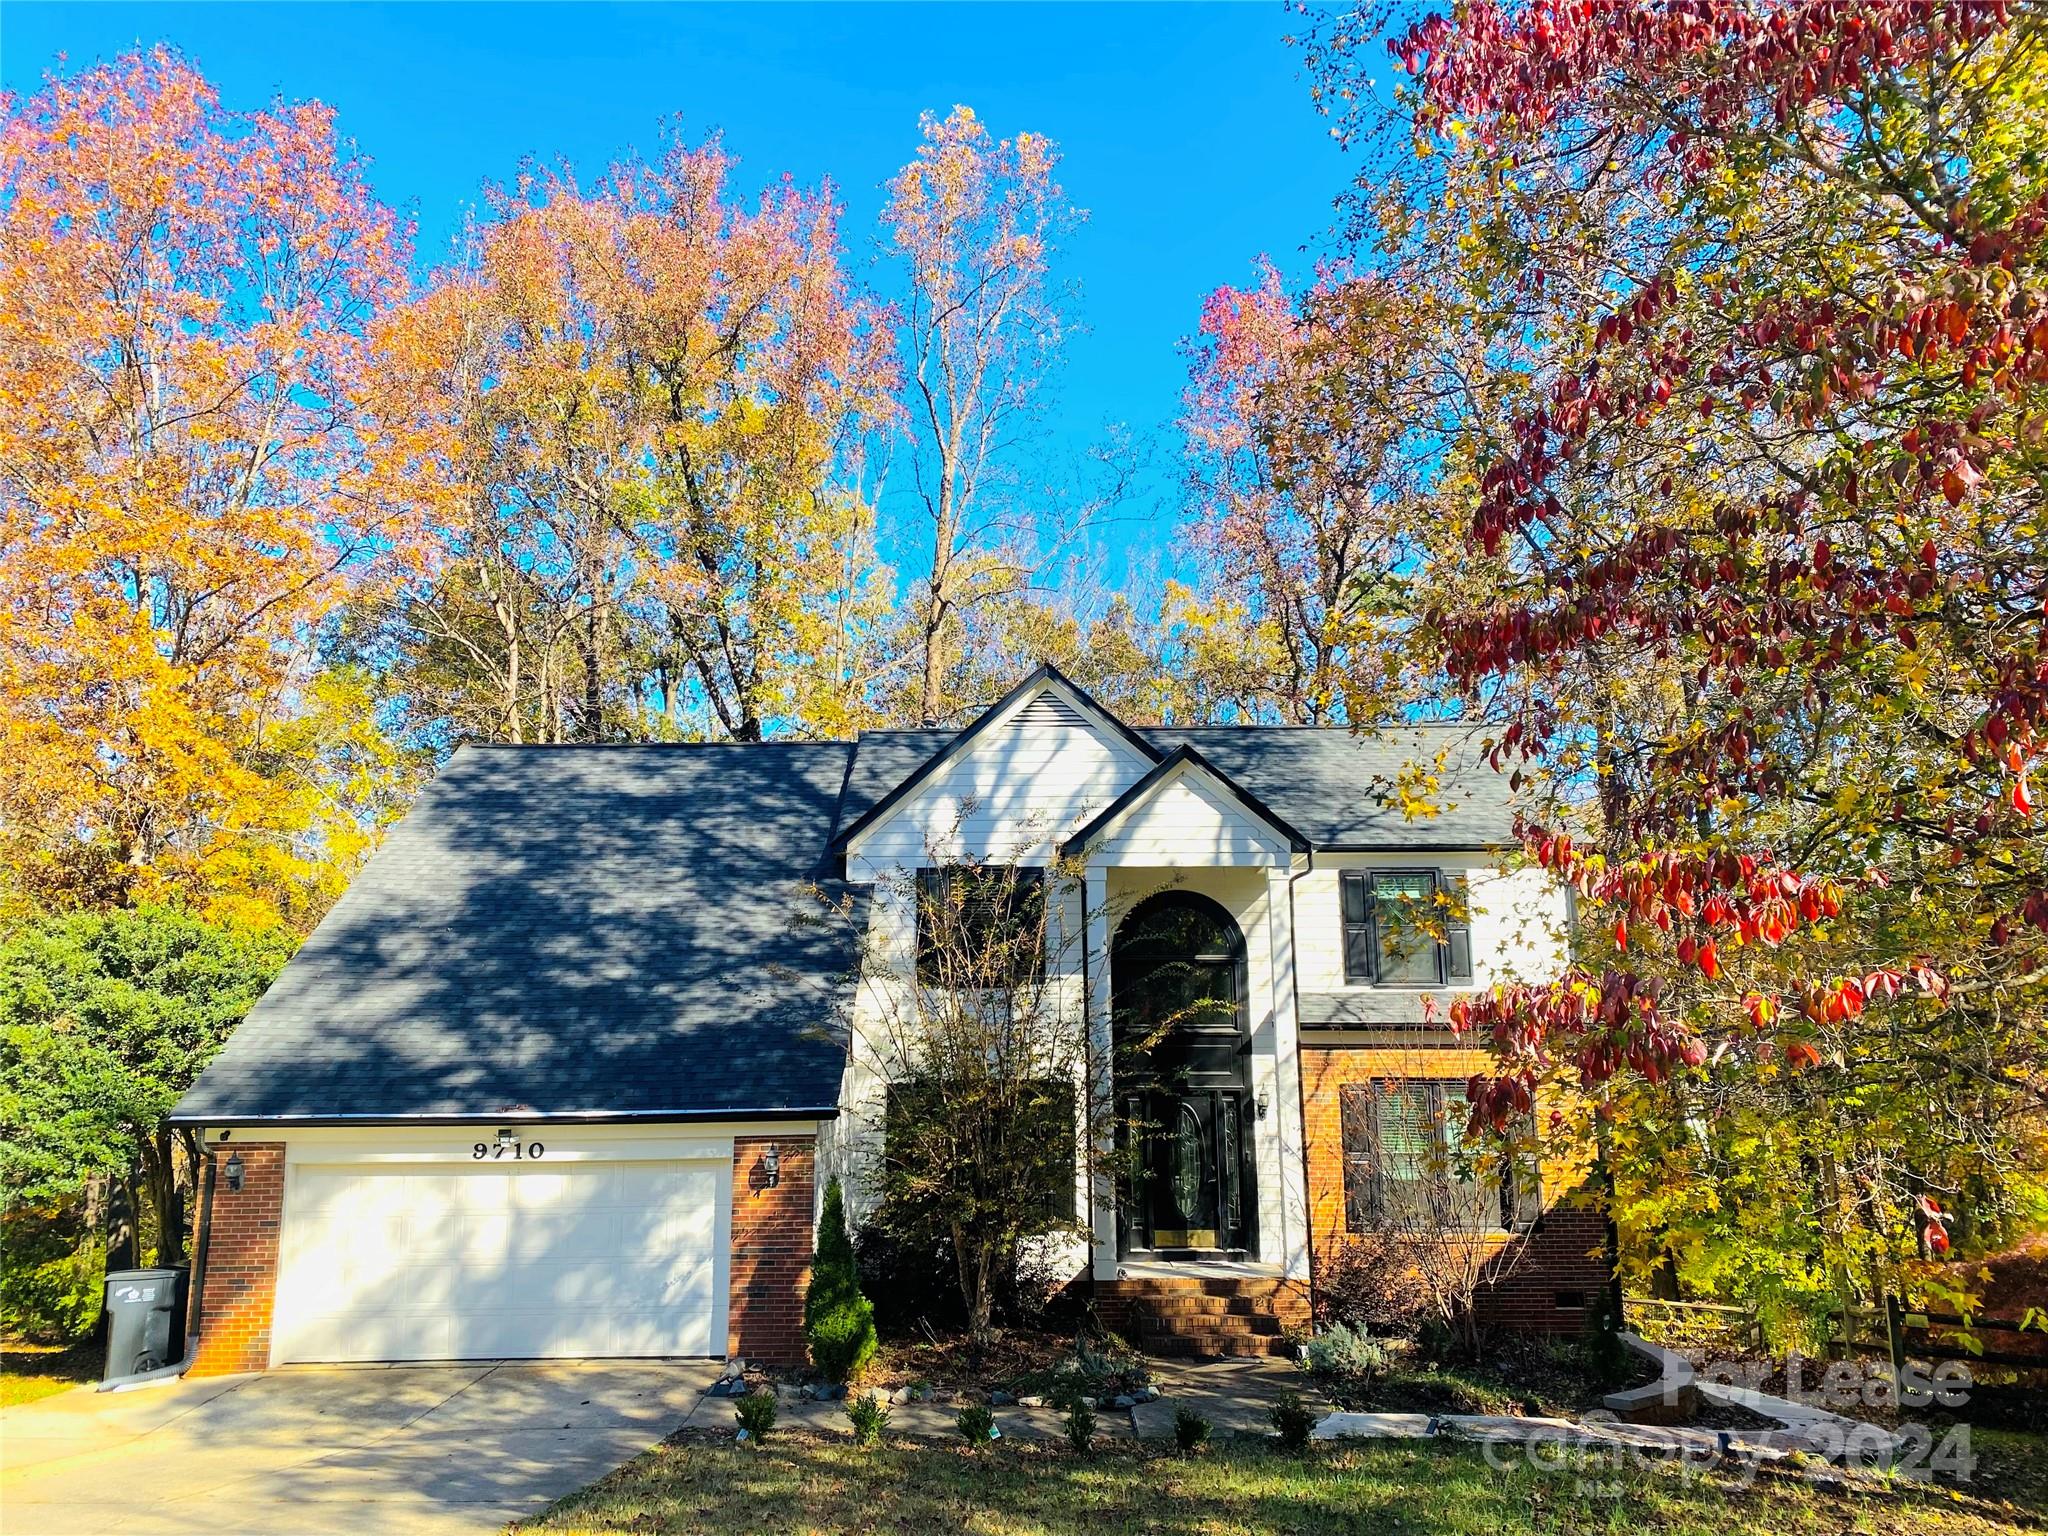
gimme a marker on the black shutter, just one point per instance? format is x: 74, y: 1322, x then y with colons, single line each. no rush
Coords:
x: 1358, y: 932
x: 1521, y: 1185
x: 1457, y: 928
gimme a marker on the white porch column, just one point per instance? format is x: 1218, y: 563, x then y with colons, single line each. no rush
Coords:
x: 1289, y: 1247
x: 1102, y: 1050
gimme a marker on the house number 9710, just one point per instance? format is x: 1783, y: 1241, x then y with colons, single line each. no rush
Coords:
x: 518, y: 1151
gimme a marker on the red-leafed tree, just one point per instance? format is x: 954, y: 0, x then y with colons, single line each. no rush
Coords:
x: 1764, y: 610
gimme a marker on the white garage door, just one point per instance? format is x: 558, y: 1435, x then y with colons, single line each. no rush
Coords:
x: 399, y: 1262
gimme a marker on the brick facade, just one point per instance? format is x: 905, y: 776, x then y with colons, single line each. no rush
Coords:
x: 238, y: 1283
x: 1550, y: 1273
x: 772, y: 1235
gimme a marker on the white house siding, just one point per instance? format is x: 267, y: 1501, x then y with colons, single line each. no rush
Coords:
x: 1014, y: 794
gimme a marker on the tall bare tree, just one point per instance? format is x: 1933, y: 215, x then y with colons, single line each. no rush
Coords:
x: 975, y: 222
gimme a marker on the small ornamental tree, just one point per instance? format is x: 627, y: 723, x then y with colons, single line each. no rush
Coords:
x: 995, y: 1106
x: 838, y: 1321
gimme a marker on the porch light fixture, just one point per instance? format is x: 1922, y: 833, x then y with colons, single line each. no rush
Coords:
x: 233, y: 1169
x: 507, y: 1138
x: 771, y: 1165
x: 1265, y: 1103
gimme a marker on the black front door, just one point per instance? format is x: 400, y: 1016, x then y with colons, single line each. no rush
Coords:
x: 1192, y: 1180
x: 1178, y: 995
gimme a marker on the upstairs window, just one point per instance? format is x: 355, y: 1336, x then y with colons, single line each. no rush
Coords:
x: 980, y: 928
x: 1406, y: 927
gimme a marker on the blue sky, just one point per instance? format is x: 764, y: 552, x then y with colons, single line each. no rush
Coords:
x: 1187, y: 131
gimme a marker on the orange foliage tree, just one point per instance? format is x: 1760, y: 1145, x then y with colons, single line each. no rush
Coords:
x: 651, y: 392
x: 198, y: 459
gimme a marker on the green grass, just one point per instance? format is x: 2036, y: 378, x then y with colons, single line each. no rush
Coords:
x: 29, y: 1371
x: 805, y: 1484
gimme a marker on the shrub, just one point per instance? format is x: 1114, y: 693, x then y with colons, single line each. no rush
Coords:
x: 1345, y: 1354
x: 913, y: 1285
x: 1293, y: 1420
x: 1190, y: 1430
x: 1370, y: 1279
x: 838, y: 1322
x: 1606, y: 1359
x: 52, y: 1282
x: 910, y: 1284
x: 869, y: 1416
x: 756, y: 1415
x: 1081, y: 1426
x: 977, y: 1424
x: 1094, y: 1368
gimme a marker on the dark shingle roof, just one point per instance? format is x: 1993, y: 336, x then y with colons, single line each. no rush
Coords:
x: 1336, y: 788
x: 563, y: 930
x: 1332, y: 786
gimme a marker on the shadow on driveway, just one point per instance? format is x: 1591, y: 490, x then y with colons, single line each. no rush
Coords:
x: 414, y: 1450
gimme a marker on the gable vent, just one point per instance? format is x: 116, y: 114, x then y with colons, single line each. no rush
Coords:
x: 1047, y: 709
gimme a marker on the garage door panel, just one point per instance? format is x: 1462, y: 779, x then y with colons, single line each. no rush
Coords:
x: 416, y: 1263
x: 566, y: 1230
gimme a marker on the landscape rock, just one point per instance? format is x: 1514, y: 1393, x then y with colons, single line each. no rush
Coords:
x: 1030, y: 1401
x: 1000, y: 1399
x: 1124, y: 1400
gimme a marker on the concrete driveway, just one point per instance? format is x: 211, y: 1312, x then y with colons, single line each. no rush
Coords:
x: 424, y: 1450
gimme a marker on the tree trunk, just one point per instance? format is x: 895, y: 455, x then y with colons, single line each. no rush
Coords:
x: 121, y: 1224
x: 934, y: 678
x: 593, y: 679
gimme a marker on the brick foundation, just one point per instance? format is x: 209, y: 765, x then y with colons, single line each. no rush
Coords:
x: 1548, y: 1275
x: 771, y: 1249
x: 238, y: 1284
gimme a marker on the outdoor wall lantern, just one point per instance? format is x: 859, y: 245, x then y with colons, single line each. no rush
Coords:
x: 233, y: 1170
x: 771, y: 1165
x: 1265, y: 1103
x: 507, y: 1138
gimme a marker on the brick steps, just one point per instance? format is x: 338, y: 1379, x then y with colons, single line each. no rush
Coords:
x: 1193, y: 1308
x: 1195, y: 1314
x: 1189, y: 1344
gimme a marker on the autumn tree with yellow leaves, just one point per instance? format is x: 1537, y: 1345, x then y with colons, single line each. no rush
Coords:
x: 200, y: 457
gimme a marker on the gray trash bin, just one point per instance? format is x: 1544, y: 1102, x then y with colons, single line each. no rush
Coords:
x: 143, y: 1307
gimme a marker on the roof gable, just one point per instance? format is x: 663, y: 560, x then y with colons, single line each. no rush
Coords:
x: 1046, y: 698
x: 1181, y: 763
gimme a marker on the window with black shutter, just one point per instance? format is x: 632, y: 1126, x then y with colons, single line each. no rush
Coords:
x: 1404, y: 1166
x: 1406, y: 927
x: 980, y: 927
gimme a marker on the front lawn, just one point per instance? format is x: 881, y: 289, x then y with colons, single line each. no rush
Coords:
x: 801, y: 1483
x: 30, y: 1371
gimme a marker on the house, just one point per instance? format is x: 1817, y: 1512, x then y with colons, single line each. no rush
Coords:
x: 563, y: 1071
